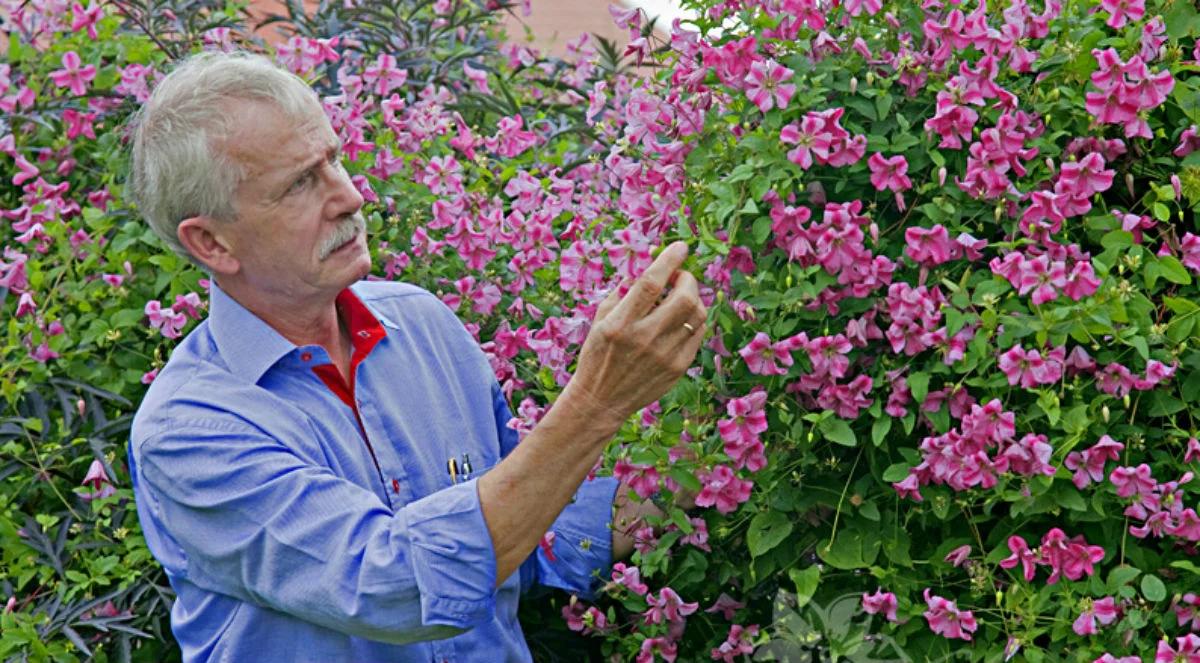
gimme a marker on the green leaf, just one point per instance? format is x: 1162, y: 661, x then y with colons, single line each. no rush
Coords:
x: 918, y: 384
x: 837, y: 430
x: 895, y: 473
x: 806, y: 582
x: 1117, y: 239
x: 880, y: 429
x: 1186, y: 566
x: 1182, y: 19
x: 1152, y: 588
x: 1174, y: 271
x: 850, y: 550
x: 767, y: 530
x: 1122, y: 575
x: 869, y: 511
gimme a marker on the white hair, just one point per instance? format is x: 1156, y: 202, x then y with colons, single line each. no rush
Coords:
x: 180, y: 169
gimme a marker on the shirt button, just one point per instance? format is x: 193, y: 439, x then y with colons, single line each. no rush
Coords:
x: 364, y: 334
x: 306, y: 356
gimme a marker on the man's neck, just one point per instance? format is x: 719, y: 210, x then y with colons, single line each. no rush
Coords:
x: 310, y: 320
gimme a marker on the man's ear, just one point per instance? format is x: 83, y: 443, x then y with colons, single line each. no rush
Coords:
x: 206, y: 239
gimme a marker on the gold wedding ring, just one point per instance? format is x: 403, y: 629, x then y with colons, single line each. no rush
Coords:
x: 689, y: 327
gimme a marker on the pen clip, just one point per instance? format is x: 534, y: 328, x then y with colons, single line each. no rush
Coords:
x: 452, y: 468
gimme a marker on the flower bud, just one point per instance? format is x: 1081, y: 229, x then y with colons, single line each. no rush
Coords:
x: 942, y: 176
x: 1176, y: 186
x: 1104, y: 413
x: 1129, y: 183
x: 853, y: 84
x: 80, y: 406
x: 1050, y: 165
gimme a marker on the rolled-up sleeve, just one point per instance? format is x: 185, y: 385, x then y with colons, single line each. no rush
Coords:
x: 257, y: 522
x: 582, y: 547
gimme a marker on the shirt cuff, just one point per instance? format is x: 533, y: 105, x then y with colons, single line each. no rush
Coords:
x: 582, y: 540
x: 453, y: 558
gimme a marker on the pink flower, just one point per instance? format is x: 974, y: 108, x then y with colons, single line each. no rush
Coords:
x: 766, y: 358
x: 1104, y: 611
x: 1193, y: 450
x: 1121, y: 12
x: 643, y: 479
x: 1109, y: 658
x: 958, y: 556
x: 737, y: 645
x: 722, y: 488
x: 1081, y: 282
x: 168, y: 321
x: 889, y: 173
x: 663, y: 646
x: 97, y: 479
x: 930, y: 247
x: 856, y: 7
x: 909, y: 487
x: 383, y: 76
x: 765, y: 85
x: 726, y: 605
x: 667, y: 606
x: 741, y: 431
x: 947, y: 620
x: 72, y: 75
x: 25, y: 305
x: 1189, y: 142
x: 1188, y: 610
x: 1136, y: 482
x: 1187, y: 650
x: 1089, y: 463
x: 629, y: 577
x: 810, y: 138
x: 880, y: 602
x: 86, y: 18
x: 1021, y: 554
x: 1029, y: 368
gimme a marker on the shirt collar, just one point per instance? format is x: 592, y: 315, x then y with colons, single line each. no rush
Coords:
x: 250, y: 347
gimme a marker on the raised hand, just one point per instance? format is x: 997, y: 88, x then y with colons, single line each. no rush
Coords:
x: 640, y: 346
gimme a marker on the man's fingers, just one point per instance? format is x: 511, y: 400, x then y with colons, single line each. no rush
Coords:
x: 610, y: 302
x: 650, y: 285
x: 682, y: 305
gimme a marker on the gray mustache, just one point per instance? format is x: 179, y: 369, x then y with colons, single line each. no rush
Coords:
x: 348, y: 229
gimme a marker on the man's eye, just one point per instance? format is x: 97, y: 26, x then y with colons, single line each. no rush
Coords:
x: 301, y: 182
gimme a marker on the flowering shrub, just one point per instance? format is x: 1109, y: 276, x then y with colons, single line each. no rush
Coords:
x: 948, y: 250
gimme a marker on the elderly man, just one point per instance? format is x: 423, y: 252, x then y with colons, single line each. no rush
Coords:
x: 323, y: 467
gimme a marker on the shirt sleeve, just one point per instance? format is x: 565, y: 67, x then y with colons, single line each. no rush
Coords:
x: 582, y: 542
x: 257, y: 522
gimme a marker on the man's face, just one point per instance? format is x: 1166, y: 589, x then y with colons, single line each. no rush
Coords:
x: 298, y: 231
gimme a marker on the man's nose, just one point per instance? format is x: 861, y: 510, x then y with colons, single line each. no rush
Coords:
x: 344, y: 198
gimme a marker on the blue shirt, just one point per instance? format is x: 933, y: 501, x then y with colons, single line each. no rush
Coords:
x: 286, y: 538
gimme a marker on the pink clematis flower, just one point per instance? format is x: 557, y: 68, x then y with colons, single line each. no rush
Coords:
x: 766, y: 86
x: 880, y: 602
x: 947, y: 620
x: 86, y: 18
x: 629, y: 577
x: 1103, y: 611
x: 99, y: 483
x: 73, y: 75
x: 889, y: 173
x: 1186, y: 650
x: 766, y: 358
x: 726, y: 605
x: 723, y: 489
x: 1089, y: 463
x: 1121, y: 12
x: 741, y: 431
x: 668, y: 607
x: 930, y: 247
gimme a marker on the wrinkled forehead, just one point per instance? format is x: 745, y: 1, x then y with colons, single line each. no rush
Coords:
x: 263, y: 138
